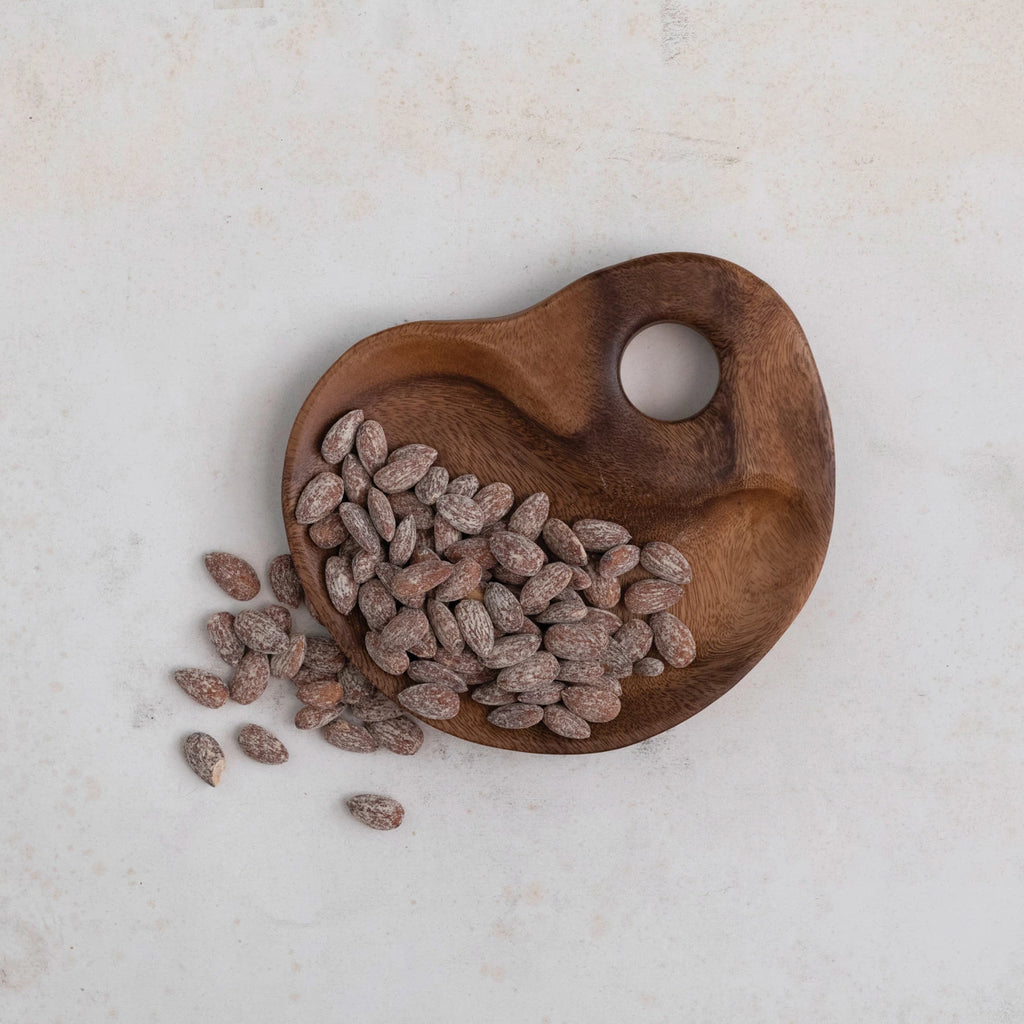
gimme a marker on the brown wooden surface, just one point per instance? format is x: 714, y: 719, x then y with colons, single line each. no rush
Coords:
x: 745, y: 488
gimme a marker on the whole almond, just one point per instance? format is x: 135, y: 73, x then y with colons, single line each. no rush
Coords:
x: 580, y: 578
x: 404, y: 541
x: 475, y: 626
x: 492, y: 694
x: 420, y: 578
x: 516, y: 553
x: 258, y: 631
x: 445, y: 626
x: 430, y: 700
x: 204, y: 756
x: 563, y: 543
x: 576, y: 641
x: 378, y: 707
x: 284, y: 581
x: 349, y: 736
x: 463, y: 513
x: 405, y: 468
x: 376, y: 604
x: 495, y: 500
x: 531, y: 515
x: 432, y: 672
x: 382, y: 515
x: 288, y: 663
x: 323, y: 655
x: 616, y: 660
x: 539, y: 590
x: 666, y: 562
x: 591, y: 704
x: 387, y: 658
x: 648, y: 667
x: 426, y: 646
x: 320, y: 496
x: 356, y: 479
x: 315, y: 718
x: 511, y: 650
x: 646, y: 597
x: 529, y: 626
x: 320, y: 695
x: 536, y: 670
x: 407, y: 504
x: 363, y: 567
x: 672, y: 638
x: 221, y: 630
x: 468, y: 665
x: 600, y: 534
x: 562, y: 611
x: 357, y: 687
x: 445, y: 535
x: 203, y: 687
x: 635, y: 637
x: 341, y: 585
x: 477, y: 548
x: 339, y: 439
x: 309, y: 675
x: 279, y: 615
x: 579, y: 671
x: 432, y: 485
x: 549, y: 693
x: 503, y: 607
x: 329, y: 532
x: 236, y: 577
x: 402, y: 632
x: 399, y: 735
x: 465, y: 578
x: 262, y: 745
x: 515, y: 716
x: 466, y: 485
x: 603, y: 592
x: 371, y: 445
x: 358, y: 523
x: 563, y: 722
x: 619, y: 560
x: 379, y: 812
x: 607, y: 620
x: 609, y: 683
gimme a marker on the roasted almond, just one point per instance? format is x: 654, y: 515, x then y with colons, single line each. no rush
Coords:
x: 284, y: 581
x: 203, y: 687
x: 516, y: 553
x: 591, y: 704
x: 444, y: 625
x: 387, y: 658
x: 402, y: 632
x: 251, y: 678
x: 511, y: 650
x: 548, y: 693
x: 262, y: 745
x: 466, y: 485
x: 323, y: 494
x: 356, y: 479
x: 666, y: 562
x: 477, y: 548
x: 323, y: 655
x: 503, y: 607
x: 603, y: 592
x: 236, y: 577
x: 563, y: 543
x: 432, y: 485
x: 619, y: 560
x: 531, y: 515
x: 492, y: 694
x: 405, y: 468
x: 576, y: 641
x: 404, y: 541
x: 465, y: 578
x: 463, y: 513
x: 646, y: 597
x: 288, y: 663
x: 315, y: 718
x: 350, y: 736
x: 541, y: 588
x: 420, y: 578
x: 363, y: 567
x: 563, y: 722
x: 371, y: 445
x: 673, y: 640
x: 204, y: 756
x: 600, y: 534
x: 379, y: 812
x: 475, y: 626
x: 537, y: 670
x: 635, y: 637
x: 258, y: 631
x: 648, y: 667
x: 495, y: 500
x: 381, y: 514
x: 430, y: 700
x: 358, y: 523
x: 579, y: 671
x: 279, y: 615
x: 320, y: 695
x: 378, y: 707
x: 342, y: 588
x: 221, y: 630
x: 399, y: 735
x: 407, y: 504
x: 515, y: 716
x: 339, y: 439
x: 329, y: 532
x: 376, y: 604
x: 357, y: 687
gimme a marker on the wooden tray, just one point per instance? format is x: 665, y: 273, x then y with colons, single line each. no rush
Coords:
x: 745, y: 488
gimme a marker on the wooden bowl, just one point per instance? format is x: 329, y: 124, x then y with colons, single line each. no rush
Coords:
x: 745, y: 488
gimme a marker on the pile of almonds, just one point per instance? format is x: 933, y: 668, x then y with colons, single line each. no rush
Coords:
x: 490, y: 597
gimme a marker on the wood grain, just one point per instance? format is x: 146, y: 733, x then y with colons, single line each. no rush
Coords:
x: 745, y: 488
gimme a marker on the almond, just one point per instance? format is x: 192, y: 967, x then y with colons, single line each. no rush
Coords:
x: 391, y: 661
x: 511, y: 650
x: 465, y: 578
x: 432, y: 672
x: 259, y: 631
x: 562, y: 611
x: 666, y: 562
x: 635, y: 637
x: 356, y: 479
x: 358, y: 523
x: 576, y: 641
x: 376, y: 604
x: 371, y: 445
x: 262, y: 745
x: 503, y: 607
x: 616, y: 660
x: 674, y: 641
x: 600, y: 534
x: 445, y: 626
x: 323, y: 494
x: 430, y: 700
x: 284, y: 581
x: 492, y: 694
x: 341, y: 585
x: 603, y: 592
x: 402, y: 632
x: 619, y: 560
x: 549, y: 693
x: 515, y: 716
x: 399, y: 735
x: 591, y: 704
x: 381, y: 514
x: 539, y: 590
x: 475, y: 626
x: 287, y: 664
x: 357, y: 687
x: 329, y: 532
x: 466, y: 485
x: 531, y: 515
x: 376, y: 708
x: 405, y: 468
x: 648, y: 667
x: 340, y: 438
x: 251, y: 678
x: 406, y: 504
x: 363, y: 567
x: 323, y: 655
x: 320, y: 695
x: 236, y: 577
x: 349, y: 736
x: 563, y: 543
x: 477, y: 548
x: 280, y: 616
x: 379, y: 812
x: 221, y: 630
x: 563, y: 722
x: 403, y: 542
x: 204, y: 756
x: 607, y: 620
x: 536, y: 670
x: 463, y: 513
x: 516, y: 553
x: 495, y: 500
x: 420, y: 578
x: 315, y: 718
x: 432, y: 485
x: 579, y: 671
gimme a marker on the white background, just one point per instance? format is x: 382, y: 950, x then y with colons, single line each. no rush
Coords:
x: 202, y: 207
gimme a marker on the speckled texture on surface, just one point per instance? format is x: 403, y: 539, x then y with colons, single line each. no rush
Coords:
x: 202, y: 205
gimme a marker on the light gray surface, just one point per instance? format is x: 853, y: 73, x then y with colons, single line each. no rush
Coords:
x: 201, y: 208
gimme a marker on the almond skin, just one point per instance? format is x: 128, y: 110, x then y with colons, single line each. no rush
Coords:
x: 666, y: 562
x: 349, y: 736
x: 236, y: 577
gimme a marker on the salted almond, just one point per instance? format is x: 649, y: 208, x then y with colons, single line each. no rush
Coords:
x: 236, y: 577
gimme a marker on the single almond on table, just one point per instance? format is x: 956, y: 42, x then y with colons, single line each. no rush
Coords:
x: 236, y: 577
x: 204, y: 756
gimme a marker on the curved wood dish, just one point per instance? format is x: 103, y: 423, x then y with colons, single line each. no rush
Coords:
x: 745, y: 488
